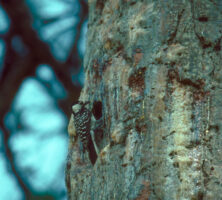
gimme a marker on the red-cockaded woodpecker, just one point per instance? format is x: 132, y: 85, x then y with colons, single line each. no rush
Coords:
x: 82, y: 121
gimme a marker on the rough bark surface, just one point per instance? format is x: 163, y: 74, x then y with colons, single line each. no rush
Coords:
x: 155, y: 67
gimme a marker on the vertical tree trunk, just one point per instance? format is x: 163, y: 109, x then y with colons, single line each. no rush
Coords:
x: 154, y: 80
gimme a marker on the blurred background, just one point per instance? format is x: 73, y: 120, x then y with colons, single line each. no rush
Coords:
x: 42, y: 43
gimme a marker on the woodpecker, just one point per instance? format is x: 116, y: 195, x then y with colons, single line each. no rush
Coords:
x: 82, y: 122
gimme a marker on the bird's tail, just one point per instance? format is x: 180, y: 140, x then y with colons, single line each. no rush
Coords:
x: 92, y: 152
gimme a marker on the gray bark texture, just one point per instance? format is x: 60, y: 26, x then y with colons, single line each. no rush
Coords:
x: 153, y: 77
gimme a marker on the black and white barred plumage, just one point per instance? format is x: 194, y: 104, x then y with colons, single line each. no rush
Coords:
x: 82, y: 121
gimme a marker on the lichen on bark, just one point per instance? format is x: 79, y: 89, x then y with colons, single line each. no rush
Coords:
x: 154, y: 69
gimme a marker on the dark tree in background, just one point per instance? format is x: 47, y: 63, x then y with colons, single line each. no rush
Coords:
x: 25, y: 49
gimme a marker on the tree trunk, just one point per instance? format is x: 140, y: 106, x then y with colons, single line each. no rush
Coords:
x: 154, y: 81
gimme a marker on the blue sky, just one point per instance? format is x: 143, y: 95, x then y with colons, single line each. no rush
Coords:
x: 41, y: 147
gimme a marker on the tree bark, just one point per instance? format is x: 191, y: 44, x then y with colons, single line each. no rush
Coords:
x: 154, y: 79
